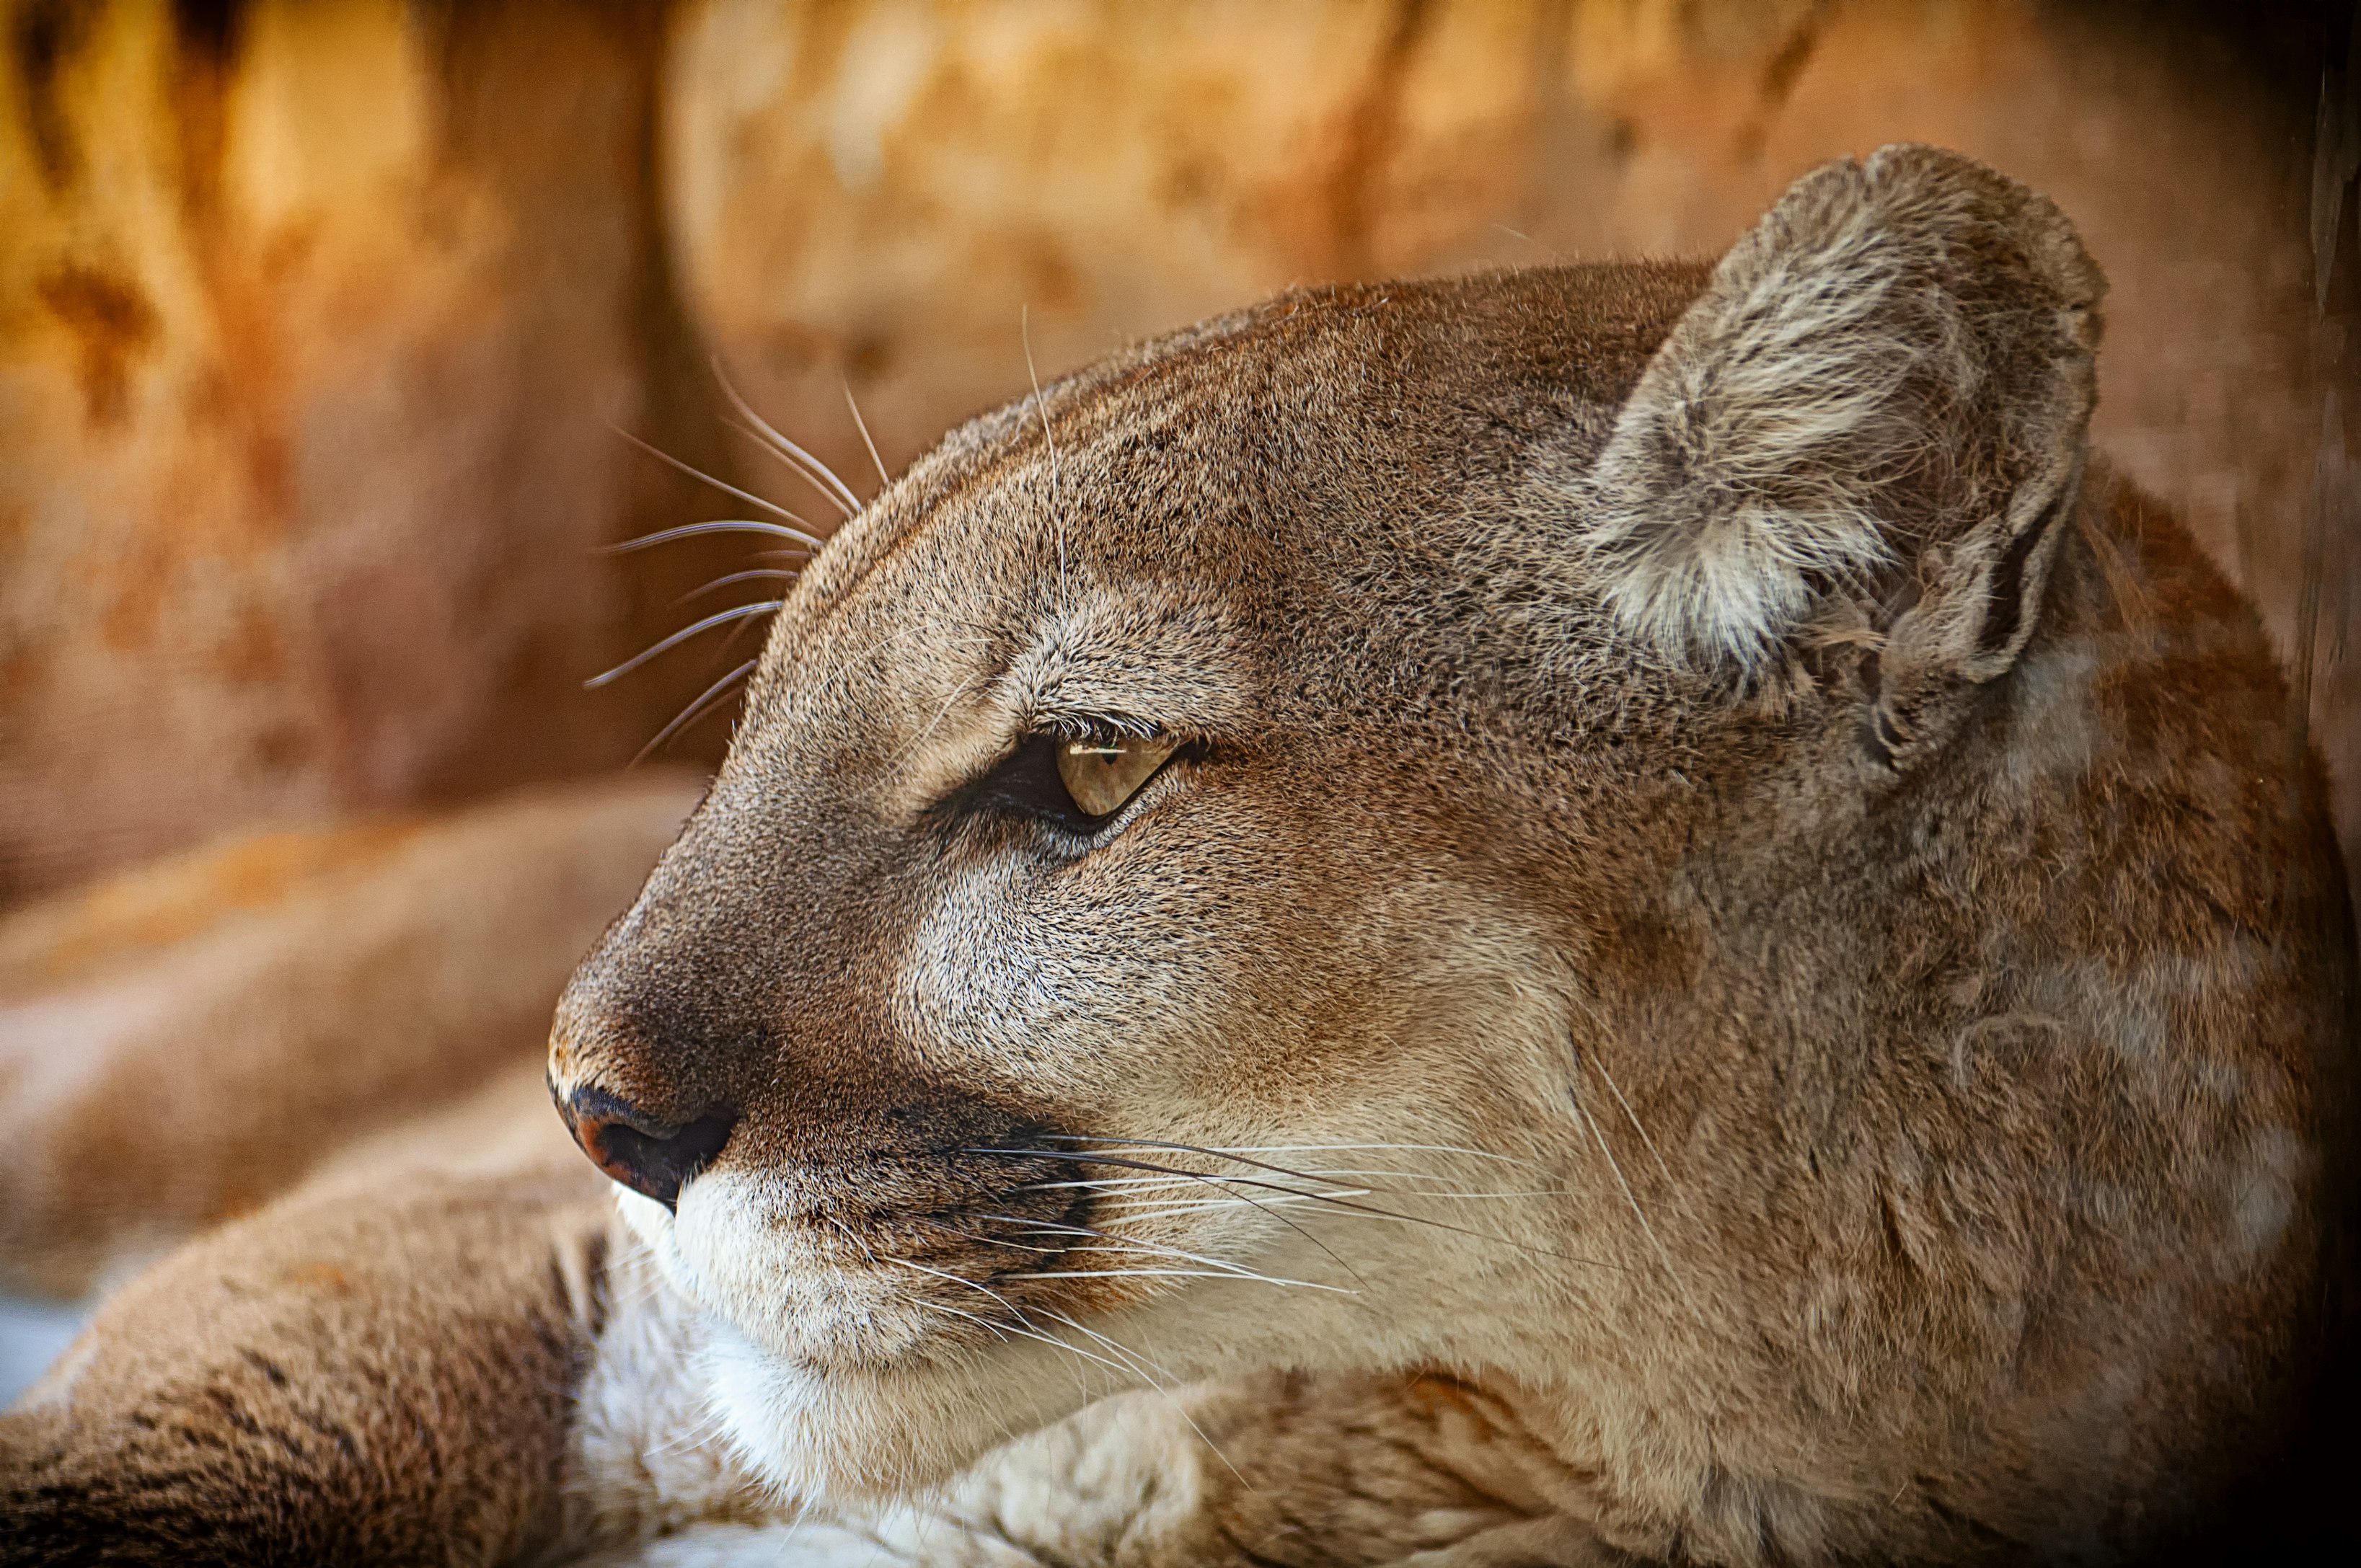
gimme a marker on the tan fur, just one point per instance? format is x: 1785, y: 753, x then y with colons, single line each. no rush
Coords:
x: 180, y: 1044
x: 1740, y: 967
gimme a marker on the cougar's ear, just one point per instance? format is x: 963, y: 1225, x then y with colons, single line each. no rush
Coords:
x: 1886, y: 385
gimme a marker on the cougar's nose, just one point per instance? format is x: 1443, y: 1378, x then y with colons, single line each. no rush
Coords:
x: 646, y: 1154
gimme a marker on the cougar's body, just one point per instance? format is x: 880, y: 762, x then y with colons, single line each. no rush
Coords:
x: 1708, y: 943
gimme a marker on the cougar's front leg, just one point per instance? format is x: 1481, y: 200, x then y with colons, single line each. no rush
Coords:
x: 358, y: 1377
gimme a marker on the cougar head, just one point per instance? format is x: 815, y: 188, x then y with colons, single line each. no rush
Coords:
x: 1476, y: 823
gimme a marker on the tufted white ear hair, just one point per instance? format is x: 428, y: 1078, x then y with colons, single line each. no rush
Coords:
x: 1899, y: 356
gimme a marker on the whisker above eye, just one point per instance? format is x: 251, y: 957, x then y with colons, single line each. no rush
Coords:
x: 706, y: 701
x: 715, y: 526
x: 722, y: 618
x: 814, y: 472
x: 770, y: 573
x: 862, y: 424
x: 725, y: 487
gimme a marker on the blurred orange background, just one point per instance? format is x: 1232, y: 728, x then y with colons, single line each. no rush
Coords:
x: 318, y: 317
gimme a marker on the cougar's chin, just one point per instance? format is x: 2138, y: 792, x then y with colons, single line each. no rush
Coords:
x: 818, y: 1433
x: 828, y: 1378
x: 798, y: 1299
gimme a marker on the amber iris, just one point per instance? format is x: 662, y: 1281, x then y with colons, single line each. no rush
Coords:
x: 1101, y: 774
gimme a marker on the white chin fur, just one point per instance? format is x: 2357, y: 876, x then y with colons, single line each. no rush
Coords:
x: 791, y: 1362
x: 817, y: 1434
x: 833, y: 1381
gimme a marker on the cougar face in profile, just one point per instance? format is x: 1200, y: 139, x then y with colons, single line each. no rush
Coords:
x: 1632, y: 903
x: 1767, y: 903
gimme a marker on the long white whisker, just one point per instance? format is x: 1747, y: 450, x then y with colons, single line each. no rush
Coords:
x: 1175, y: 1170
x: 706, y: 700
x: 722, y: 618
x: 989, y: 1241
x: 998, y: 1330
x: 718, y: 525
x: 1631, y: 1198
x: 1056, y: 518
x: 1316, y: 1149
x: 1149, y: 1370
x: 1132, y: 1244
x: 1240, y: 1152
x: 1324, y: 1173
x: 1227, y: 1268
x: 1206, y: 1205
x: 862, y: 424
x: 1333, y: 1205
x: 1179, y: 1406
x: 1028, y: 1330
x: 724, y: 487
x: 758, y: 573
x: 1176, y: 1274
x: 848, y: 1233
x: 817, y: 474
x: 1135, y: 1199
x: 1147, y: 1199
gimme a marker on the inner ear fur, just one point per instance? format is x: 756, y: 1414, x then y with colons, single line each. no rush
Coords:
x: 1884, y: 394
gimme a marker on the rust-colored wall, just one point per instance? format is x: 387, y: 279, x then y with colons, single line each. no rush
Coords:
x: 312, y: 315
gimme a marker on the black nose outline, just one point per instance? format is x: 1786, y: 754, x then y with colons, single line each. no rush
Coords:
x: 650, y: 1156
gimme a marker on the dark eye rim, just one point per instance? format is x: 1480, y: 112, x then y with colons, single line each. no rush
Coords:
x: 1026, y: 784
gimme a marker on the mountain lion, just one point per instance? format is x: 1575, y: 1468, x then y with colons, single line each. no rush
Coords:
x: 1609, y: 913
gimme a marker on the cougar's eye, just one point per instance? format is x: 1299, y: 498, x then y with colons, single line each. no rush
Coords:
x: 1101, y: 774
x: 1076, y: 784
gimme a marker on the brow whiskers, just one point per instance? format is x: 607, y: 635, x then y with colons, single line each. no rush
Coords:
x: 721, y: 617
x: 800, y: 533
x: 756, y: 574
x: 705, y: 702
x: 714, y: 525
x: 863, y: 425
x: 803, y: 543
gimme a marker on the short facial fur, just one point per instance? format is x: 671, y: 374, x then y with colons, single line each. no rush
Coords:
x: 1774, y: 902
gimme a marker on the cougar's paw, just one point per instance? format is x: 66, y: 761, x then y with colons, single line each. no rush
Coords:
x: 336, y: 1380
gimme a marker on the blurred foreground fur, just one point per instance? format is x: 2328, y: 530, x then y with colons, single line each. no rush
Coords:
x: 1734, y: 962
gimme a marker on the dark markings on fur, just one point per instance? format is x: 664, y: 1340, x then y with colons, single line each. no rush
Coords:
x: 2008, y: 582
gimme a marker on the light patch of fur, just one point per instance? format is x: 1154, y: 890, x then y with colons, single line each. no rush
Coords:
x: 644, y: 1456
x: 1726, y: 485
x: 1752, y: 471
